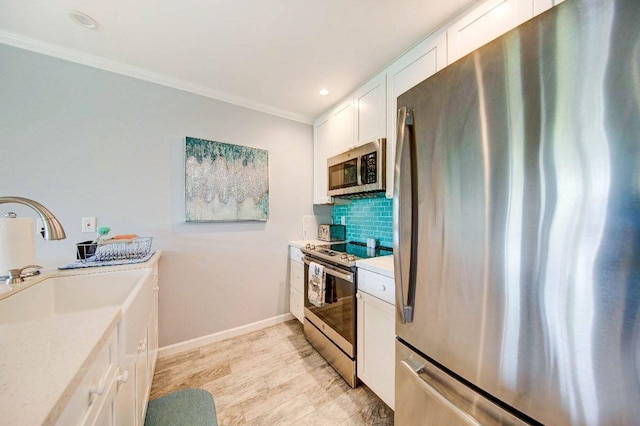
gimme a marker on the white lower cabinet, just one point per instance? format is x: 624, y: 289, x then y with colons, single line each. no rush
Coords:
x: 138, y: 352
x: 93, y: 402
x: 296, y: 283
x: 115, y: 388
x: 376, y: 334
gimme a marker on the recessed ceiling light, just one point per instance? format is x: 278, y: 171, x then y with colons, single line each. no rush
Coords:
x: 83, y: 19
x: 323, y: 92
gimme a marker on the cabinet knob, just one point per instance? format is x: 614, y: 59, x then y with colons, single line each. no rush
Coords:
x: 358, y: 296
x: 95, y: 392
x: 383, y: 287
x: 123, y: 378
x: 142, y: 345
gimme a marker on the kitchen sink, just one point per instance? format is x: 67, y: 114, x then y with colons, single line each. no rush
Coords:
x: 66, y: 294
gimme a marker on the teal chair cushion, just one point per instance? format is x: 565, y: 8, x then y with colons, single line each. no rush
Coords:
x: 193, y: 407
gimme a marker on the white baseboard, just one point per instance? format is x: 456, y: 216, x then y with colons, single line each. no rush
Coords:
x: 216, y: 337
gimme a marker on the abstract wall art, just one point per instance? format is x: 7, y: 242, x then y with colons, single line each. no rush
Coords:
x: 225, y: 182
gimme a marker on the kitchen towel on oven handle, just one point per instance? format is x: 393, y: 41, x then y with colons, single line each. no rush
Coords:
x: 317, y: 280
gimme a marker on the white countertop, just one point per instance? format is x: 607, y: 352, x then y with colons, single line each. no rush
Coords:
x: 380, y: 265
x: 42, y: 360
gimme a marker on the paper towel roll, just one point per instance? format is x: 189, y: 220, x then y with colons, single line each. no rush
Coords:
x: 17, y: 243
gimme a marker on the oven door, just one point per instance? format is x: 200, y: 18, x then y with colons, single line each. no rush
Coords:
x: 337, y: 317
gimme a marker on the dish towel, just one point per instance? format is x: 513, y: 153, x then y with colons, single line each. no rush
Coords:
x: 316, y: 284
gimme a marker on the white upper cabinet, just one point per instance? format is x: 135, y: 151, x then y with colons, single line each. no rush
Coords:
x: 369, y: 104
x: 540, y: 6
x: 371, y: 111
x: 485, y: 23
x: 421, y: 62
x: 342, y: 127
x: 322, y: 149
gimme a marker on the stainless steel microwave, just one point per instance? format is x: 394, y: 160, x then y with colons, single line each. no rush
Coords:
x: 359, y: 170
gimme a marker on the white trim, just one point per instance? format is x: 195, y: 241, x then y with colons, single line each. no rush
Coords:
x: 57, y: 51
x: 226, y: 334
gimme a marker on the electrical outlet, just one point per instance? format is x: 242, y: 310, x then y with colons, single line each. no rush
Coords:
x: 89, y: 224
x: 343, y: 220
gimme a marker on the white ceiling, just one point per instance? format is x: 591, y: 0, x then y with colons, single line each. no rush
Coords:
x: 271, y: 55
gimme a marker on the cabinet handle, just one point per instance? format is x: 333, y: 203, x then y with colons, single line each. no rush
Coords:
x: 95, y: 392
x: 142, y: 346
x: 383, y: 287
x: 123, y: 378
x: 358, y: 296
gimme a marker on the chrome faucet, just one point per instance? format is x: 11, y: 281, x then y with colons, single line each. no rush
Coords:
x: 52, y: 231
x: 52, y: 228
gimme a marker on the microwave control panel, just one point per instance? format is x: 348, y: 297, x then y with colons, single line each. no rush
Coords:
x: 370, y: 168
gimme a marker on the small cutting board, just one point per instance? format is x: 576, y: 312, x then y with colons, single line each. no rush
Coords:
x: 310, y: 225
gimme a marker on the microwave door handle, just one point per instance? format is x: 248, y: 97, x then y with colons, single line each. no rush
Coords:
x: 361, y: 175
x: 405, y: 215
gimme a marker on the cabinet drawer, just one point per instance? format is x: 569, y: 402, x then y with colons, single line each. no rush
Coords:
x: 295, y: 254
x: 97, y: 380
x: 296, y: 303
x: 377, y: 285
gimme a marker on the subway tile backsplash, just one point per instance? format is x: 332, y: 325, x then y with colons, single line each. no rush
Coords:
x: 367, y: 218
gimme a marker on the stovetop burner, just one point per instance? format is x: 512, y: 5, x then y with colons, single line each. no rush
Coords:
x: 361, y: 250
x: 346, y: 253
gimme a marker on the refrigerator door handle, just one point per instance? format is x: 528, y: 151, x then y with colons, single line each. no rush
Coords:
x: 405, y: 180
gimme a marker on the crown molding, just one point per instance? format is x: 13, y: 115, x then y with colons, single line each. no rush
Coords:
x: 66, y: 54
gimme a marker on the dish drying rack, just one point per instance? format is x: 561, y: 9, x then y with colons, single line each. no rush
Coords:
x: 114, y: 249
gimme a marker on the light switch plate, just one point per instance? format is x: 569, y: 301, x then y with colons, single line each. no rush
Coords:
x: 89, y: 224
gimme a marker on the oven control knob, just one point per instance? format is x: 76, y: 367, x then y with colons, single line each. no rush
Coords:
x: 312, y: 247
x: 308, y: 246
x: 351, y: 258
x: 344, y: 256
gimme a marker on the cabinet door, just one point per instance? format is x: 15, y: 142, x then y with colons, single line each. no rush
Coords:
x: 376, y: 346
x: 370, y: 106
x: 296, y: 273
x: 420, y: 63
x: 485, y: 23
x: 296, y: 304
x: 106, y: 411
x: 341, y: 127
x: 143, y: 384
x: 540, y: 6
x: 322, y: 150
x: 153, y: 326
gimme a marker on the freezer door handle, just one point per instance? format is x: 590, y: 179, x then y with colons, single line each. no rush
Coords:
x: 447, y: 398
x: 416, y: 371
x: 405, y: 215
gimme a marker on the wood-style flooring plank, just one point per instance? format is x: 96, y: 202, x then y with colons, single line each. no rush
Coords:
x: 270, y: 377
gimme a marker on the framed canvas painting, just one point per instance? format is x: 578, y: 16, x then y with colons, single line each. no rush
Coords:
x: 225, y: 182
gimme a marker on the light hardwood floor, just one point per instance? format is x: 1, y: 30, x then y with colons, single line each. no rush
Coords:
x: 270, y: 377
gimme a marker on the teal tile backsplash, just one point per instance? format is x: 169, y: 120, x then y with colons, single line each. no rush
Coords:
x: 367, y: 218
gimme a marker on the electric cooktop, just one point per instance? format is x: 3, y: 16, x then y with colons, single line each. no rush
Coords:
x: 345, y: 254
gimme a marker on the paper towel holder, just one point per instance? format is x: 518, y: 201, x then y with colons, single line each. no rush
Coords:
x: 52, y: 228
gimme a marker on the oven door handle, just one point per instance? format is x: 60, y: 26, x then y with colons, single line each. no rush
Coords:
x: 329, y: 270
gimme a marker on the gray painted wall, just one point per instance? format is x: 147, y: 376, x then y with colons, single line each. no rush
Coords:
x: 86, y: 142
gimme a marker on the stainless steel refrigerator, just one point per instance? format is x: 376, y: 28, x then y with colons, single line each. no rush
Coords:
x: 517, y: 228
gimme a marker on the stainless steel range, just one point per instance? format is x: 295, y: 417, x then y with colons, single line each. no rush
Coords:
x: 331, y: 327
